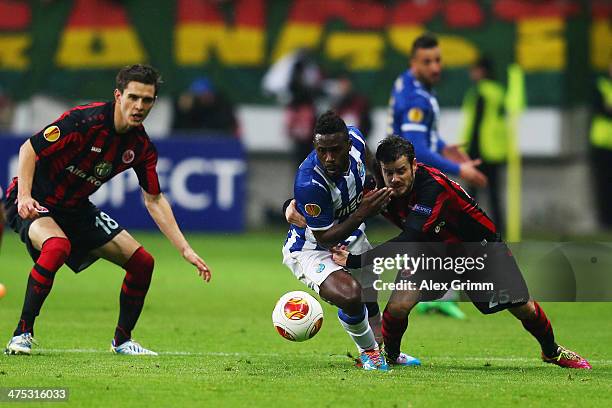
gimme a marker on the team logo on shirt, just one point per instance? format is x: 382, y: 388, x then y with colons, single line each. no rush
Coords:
x: 439, y: 227
x: 103, y: 169
x: 415, y: 115
x: 312, y: 209
x: 360, y: 169
x: 128, y: 156
x: 51, y: 134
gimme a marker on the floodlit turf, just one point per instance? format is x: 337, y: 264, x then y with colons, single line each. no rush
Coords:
x: 218, y: 346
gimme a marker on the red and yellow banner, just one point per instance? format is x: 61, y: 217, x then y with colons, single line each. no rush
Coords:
x: 99, y: 35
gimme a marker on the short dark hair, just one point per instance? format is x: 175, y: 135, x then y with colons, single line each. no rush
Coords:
x: 392, y: 148
x: 144, y: 74
x: 329, y: 123
x: 425, y: 41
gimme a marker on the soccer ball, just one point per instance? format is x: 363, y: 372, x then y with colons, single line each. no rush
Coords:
x: 297, y: 316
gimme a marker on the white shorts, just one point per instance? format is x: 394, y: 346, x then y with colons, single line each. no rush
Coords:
x: 313, y: 267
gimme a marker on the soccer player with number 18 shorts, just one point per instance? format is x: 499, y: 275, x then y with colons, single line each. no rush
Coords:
x: 48, y: 203
x: 436, y: 214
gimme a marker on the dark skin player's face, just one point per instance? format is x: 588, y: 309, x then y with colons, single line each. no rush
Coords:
x: 399, y: 175
x: 426, y: 65
x: 333, y: 152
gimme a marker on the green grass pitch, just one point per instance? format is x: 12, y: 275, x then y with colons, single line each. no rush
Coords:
x: 218, y: 346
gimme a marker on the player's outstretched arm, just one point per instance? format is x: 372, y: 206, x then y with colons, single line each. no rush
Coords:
x: 162, y: 214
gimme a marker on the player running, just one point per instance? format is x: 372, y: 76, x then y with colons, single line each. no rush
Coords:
x: 48, y: 203
x: 429, y: 207
x: 329, y: 193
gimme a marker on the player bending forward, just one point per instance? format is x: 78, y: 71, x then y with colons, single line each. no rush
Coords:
x: 329, y: 193
x: 429, y: 207
x: 48, y: 203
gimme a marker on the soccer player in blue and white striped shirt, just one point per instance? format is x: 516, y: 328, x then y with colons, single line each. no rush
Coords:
x: 329, y: 193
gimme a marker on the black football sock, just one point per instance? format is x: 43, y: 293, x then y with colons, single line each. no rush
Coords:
x: 539, y: 326
x: 53, y: 254
x: 393, y: 329
x: 139, y: 270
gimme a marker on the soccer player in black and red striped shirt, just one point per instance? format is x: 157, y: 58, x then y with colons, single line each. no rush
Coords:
x: 48, y: 203
x: 430, y: 208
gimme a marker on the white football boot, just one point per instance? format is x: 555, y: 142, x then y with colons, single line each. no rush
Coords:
x: 131, y: 348
x: 21, y: 344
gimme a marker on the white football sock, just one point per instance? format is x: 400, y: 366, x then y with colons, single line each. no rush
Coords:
x: 359, y: 329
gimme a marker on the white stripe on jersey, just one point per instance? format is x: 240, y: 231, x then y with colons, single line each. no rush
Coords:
x: 319, y: 184
x: 292, y: 239
x: 335, y: 191
x: 356, y: 136
x: 414, y: 127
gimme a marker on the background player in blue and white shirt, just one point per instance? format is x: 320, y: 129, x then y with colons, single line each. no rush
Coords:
x: 329, y: 193
x: 414, y: 114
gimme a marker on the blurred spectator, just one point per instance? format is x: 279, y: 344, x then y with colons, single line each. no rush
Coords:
x: 295, y: 80
x: 6, y: 110
x: 301, y: 112
x: 353, y: 107
x: 485, y: 133
x: 203, y: 109
x: 601, y: 148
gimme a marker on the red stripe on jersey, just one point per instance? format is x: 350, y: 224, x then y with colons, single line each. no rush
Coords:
x: 11, y: 186
x: 150, y: 164
x: 60, y: 144
x: 466, y: 206
x: 72, y: 180
x: 86, y: 188
x: 435, y: 211
x: 78, y: 108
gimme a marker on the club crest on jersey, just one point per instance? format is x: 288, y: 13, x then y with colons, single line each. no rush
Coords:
x: 421, y: 209
x: 128, y: 156
x: 103, y: 169
x: 361, y: 169
x: 415, y: 115
x: 51, y: 134
x: 312, y: 209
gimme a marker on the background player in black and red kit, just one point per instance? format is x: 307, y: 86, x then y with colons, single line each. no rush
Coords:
x: 48, y: 203
x: 429, y: 207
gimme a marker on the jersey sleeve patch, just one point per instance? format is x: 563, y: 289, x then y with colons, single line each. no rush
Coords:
x: 422, y: 210
x: 416, y: 115
x: 52, y: 134
x: 312, y: 209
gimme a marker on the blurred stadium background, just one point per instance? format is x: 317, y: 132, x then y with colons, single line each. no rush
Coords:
x: 54, y: 54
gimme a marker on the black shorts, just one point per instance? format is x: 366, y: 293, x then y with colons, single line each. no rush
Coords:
x: 497, y: 286
x: 87, y: 228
